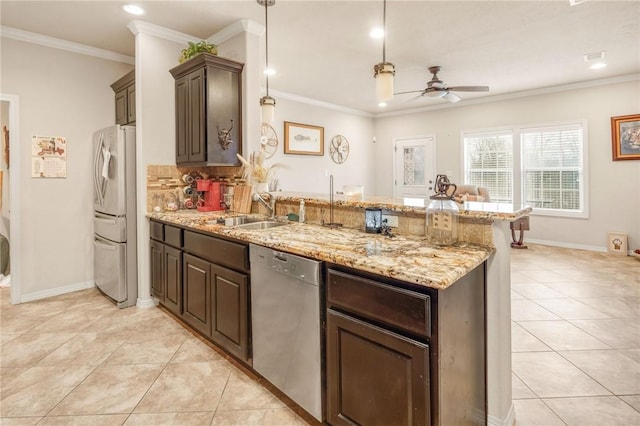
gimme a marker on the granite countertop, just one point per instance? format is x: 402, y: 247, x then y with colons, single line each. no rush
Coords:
x: 417, y: 206
x: 406, y: 258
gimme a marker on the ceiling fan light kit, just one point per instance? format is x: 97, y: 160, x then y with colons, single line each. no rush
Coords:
x: 267, y: 103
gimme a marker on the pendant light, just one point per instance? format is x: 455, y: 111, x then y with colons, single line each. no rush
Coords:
x: 267, y: 103
x: 384, y: 71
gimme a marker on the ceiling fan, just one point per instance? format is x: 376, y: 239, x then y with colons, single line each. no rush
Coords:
x: 437, y: 89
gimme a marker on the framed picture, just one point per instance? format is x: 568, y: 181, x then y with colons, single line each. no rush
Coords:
x: 617, y: 242
x: 303, y: 139
x: 625, y: 137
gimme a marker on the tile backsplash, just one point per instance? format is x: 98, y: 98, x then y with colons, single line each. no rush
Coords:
x: 164, y: 182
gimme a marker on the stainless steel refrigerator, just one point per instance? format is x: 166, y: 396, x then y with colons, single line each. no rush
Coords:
x: 114, y: 201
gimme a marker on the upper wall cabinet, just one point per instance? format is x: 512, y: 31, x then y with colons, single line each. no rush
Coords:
x: 125, y: 89
x: 208, y: 111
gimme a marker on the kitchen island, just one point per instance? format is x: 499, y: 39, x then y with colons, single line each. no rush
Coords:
x: 405, y: 259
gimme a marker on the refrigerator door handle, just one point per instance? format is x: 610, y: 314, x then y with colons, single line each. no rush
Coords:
x: 105, y: 220
x: 106, y: 246
x: 98, y: 184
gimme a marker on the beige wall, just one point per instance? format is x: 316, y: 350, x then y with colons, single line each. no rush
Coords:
x: 614, y: 199
x: 61, y: 94
x: 307, y: 172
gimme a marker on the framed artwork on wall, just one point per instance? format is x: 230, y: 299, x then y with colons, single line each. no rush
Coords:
x: 625, y: 137
x: 303, y: 139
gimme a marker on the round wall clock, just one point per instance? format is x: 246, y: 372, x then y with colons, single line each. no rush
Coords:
x: 268, y: 140
x: 339, y: 149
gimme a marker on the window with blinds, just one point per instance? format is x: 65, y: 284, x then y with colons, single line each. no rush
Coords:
x: 542, y: 167
x: 552, y: 168
x: 488, y: 159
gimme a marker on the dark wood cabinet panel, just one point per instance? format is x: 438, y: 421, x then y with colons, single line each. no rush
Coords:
x: 217, y: 250
x: 131, y: 104
x: 172, y: 261
x: 374, y: 377
x: 208, y: 91
x: 197, y: 294
x: 393, y: 306
x: 157, y: 269
x: 121, y: 107
x: 125, y: 99
x: 182, y: 109
x: 230, y: 328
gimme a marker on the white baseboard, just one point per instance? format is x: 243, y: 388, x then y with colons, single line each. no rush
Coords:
x: 146, y: 303
x: 510, y: 420
x: 566, y: 245
x: 56, y: 291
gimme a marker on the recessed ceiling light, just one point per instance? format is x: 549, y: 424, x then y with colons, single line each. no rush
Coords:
x: 382, y: 104
x: 576, y: 2
x: 594, y: 56
x: 133, y: 9
x: 377, y: 33
x: 269, y: 71
x: 597, y: 66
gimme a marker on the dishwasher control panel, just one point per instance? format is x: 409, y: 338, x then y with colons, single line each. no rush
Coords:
x: 299, y: 267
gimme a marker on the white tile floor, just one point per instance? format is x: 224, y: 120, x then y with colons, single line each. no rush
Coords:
x: 75, y: 360
x: 575, y: 337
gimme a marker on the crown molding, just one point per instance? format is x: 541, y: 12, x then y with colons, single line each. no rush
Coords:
x: 238, y: 27
x: 142, y: 27
x: 515, y: 95
x: 322, y: 104
x: 56, y: 43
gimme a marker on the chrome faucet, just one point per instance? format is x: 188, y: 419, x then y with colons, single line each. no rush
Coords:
x: 270, y: 206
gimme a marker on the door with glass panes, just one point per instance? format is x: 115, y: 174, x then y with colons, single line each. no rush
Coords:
x: 414, y: 167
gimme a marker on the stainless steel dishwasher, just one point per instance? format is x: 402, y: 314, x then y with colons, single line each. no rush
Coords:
x: 285, y: 319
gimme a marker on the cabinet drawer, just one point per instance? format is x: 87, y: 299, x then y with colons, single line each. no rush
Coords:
x: 216, y: 250
x: 173, y: 236
x: 156, y: 230
x: 397, y: 307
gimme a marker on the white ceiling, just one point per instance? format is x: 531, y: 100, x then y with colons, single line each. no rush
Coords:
x: 322, y: 49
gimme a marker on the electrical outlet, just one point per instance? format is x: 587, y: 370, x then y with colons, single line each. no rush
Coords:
x: 392, y: 221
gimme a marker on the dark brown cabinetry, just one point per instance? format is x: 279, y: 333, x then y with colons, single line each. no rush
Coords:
x: 402, y: 355
x: 208, y: 96
x: 166, y: 265
x: 204, y: 280
x: 125, y: 89
x: 216, y: 291
x: 197, y: 294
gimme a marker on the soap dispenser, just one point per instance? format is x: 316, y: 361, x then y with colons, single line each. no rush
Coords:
x: 442, y: 214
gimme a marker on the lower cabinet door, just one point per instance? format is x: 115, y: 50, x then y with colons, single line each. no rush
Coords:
x: 197, y: 295
x: 230, y: 311
x: 173, y: 279
x: 374, y: 376
x: 157, y: 270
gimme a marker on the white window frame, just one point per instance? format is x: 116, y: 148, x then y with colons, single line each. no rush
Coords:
x: 518, y: 184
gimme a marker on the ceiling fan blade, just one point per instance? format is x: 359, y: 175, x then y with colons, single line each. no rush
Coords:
x: 411, y: 91
x: 451, y: 97
x: 415, y: 97
x: 469, y: 88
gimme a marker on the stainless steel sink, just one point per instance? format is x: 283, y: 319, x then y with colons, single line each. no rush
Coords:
x: 262, y: 224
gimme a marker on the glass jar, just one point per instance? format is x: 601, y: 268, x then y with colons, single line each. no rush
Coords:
x: 442, y: 220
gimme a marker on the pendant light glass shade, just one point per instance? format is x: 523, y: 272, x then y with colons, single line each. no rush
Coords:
x: 384, y: 71
x: 267, y: 109
x: 267, y: 103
